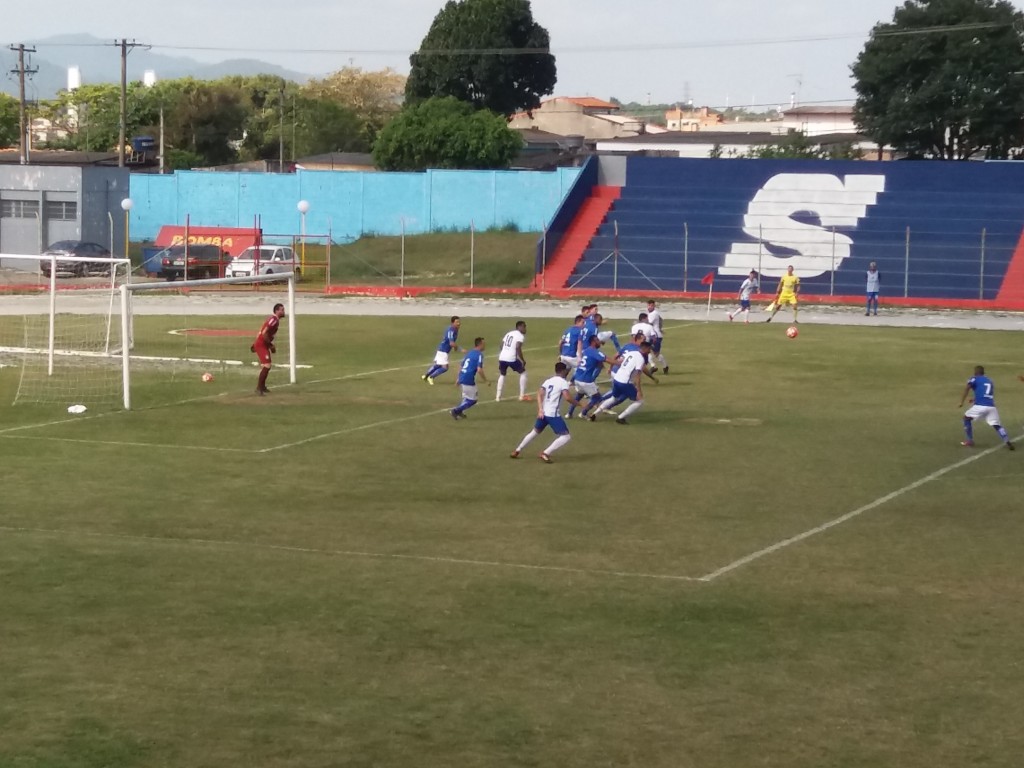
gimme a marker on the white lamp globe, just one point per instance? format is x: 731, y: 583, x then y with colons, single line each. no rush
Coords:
x: 126, y: 204
x: 303, y: 206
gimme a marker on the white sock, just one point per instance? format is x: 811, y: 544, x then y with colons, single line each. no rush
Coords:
x: 558, y: 443
x: 602, y: 406
x: 662, y: 361
x: 527, y: 440
x: 522, y: 385
x: 499, y: 386
x: 633, y: 408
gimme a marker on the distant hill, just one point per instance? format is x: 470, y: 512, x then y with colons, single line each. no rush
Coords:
x: 99, y: 62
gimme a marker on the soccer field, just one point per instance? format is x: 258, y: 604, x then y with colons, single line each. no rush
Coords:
x: 786, y: 559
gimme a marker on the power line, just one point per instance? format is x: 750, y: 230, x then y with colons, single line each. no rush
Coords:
x: 877, y: 32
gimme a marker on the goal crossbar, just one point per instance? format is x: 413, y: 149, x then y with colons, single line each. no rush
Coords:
x: 129, y: 288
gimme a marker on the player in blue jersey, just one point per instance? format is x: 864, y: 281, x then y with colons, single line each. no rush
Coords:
x: 570, y: 346
x: 591, y: 365
x: 984, y: 397
x: 447, y: 346
x: 472, y: 366
x: 626, y: 383
x: 549, y: 398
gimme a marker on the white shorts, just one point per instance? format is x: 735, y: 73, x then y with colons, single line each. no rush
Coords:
x: 587, y: 388
x: 605, y: 335
x: 470, y: 392
x: 440, y: 358
x: 989, y: 412
x: 572, y: 362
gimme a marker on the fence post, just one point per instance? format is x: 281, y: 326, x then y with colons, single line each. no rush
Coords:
x: 760, y: 249
x: 615, y: 259
x: 330, y: 240
x: 981, y: 276
x: 832, y: 274
x: 544, y: 258
x: 906, y: 266
x: 472, y: 250
x: 686, y: 254
x: 401, y: 278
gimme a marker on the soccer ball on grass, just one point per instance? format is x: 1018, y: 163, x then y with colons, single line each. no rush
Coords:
x: 792, y: 332
x: 207, y: 377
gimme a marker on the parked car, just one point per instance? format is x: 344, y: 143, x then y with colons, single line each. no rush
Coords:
x: 263, y: 260
x: 202, y: 261
x: 64, y: 248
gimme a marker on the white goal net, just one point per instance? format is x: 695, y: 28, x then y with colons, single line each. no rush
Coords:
x: 101, y: 339
x: 61, y: 332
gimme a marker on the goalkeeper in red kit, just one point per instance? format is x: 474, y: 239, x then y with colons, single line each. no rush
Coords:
x: 264, y: 346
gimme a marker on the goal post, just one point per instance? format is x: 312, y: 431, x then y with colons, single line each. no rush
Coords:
x: 59, y: 330
x: 131, y: 358
x: 79, y: 331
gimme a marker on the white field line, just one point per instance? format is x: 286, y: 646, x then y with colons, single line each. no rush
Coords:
x: 132, y: 444
x: 349, y: 553
x: 849, y: 515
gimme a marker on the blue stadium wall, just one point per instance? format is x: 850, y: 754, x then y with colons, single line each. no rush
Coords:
x: 349, y: 204
x: 937, y: 230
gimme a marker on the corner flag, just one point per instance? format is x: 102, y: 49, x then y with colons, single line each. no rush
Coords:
x: 708, y: 279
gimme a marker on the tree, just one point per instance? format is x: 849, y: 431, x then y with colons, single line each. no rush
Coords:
x: 944, y: 79
x: 488, y: 53
x: 374, y: 97
x: 10, y: 121
x: 445, y: 133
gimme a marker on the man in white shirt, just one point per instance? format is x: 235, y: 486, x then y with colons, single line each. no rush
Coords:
x: 654, y: 318
x: 874, y: 282
x: 748, y: 287
x: 626, y: 383
x: 511, y: 356
x: 549, y: 397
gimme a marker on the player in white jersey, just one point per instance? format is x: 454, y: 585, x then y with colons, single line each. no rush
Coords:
x: 626, y: 383
x: 511, y: 356
x: 550, y: 396
x: 748, y: 287
x: 654, y: 318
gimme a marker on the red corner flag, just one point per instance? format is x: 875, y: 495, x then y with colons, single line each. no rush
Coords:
x: 708, y: 279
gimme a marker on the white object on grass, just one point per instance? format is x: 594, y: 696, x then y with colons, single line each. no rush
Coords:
x: 77, y: 409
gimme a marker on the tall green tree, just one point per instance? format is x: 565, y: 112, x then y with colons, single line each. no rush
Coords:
x: 944, y: 79
x: 375, y: 97
x: 9, y: 120
x: 445, y: 133
x: 488, y: 53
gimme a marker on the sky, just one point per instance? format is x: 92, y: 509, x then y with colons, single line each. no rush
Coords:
x: 759, y: 53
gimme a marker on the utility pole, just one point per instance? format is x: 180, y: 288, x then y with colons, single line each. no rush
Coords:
x: 125, y: 47
x: 23, y: 127
x: 280, y: 147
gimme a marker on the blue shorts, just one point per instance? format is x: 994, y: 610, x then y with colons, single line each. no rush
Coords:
x: 656, y: 345
x: 744, y: 303
x: 557, y: 424
x: 872, y: 294
x: 515, y: 365
x: 623, y: 391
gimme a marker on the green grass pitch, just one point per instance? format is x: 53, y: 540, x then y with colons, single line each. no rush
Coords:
x: 341, y: 575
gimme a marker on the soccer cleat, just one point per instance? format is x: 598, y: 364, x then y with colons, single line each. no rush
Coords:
x: 1011, y: 446
x: 260, y: 392
x: 545, y: 458
x: 621, y: 420
x: 424, y: 377
x: 430, y: 380
x: 666, y: 369
x: 967, y: 443
x: 768, y: 320
x: 514, y: 455
x: 525, y: 399
x: 454, y: 414
x: 591, y: 417
x: 730, y: 316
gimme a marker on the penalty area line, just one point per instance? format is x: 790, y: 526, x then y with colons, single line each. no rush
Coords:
x: 351, y: 553
x: 734, y: 565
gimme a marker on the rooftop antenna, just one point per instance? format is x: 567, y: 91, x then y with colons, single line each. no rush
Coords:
x: 794, y: 97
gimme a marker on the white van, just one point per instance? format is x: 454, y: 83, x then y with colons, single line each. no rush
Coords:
x: 263, y: 260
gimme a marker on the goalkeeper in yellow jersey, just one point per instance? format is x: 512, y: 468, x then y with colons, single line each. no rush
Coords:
x: 787, y: 293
